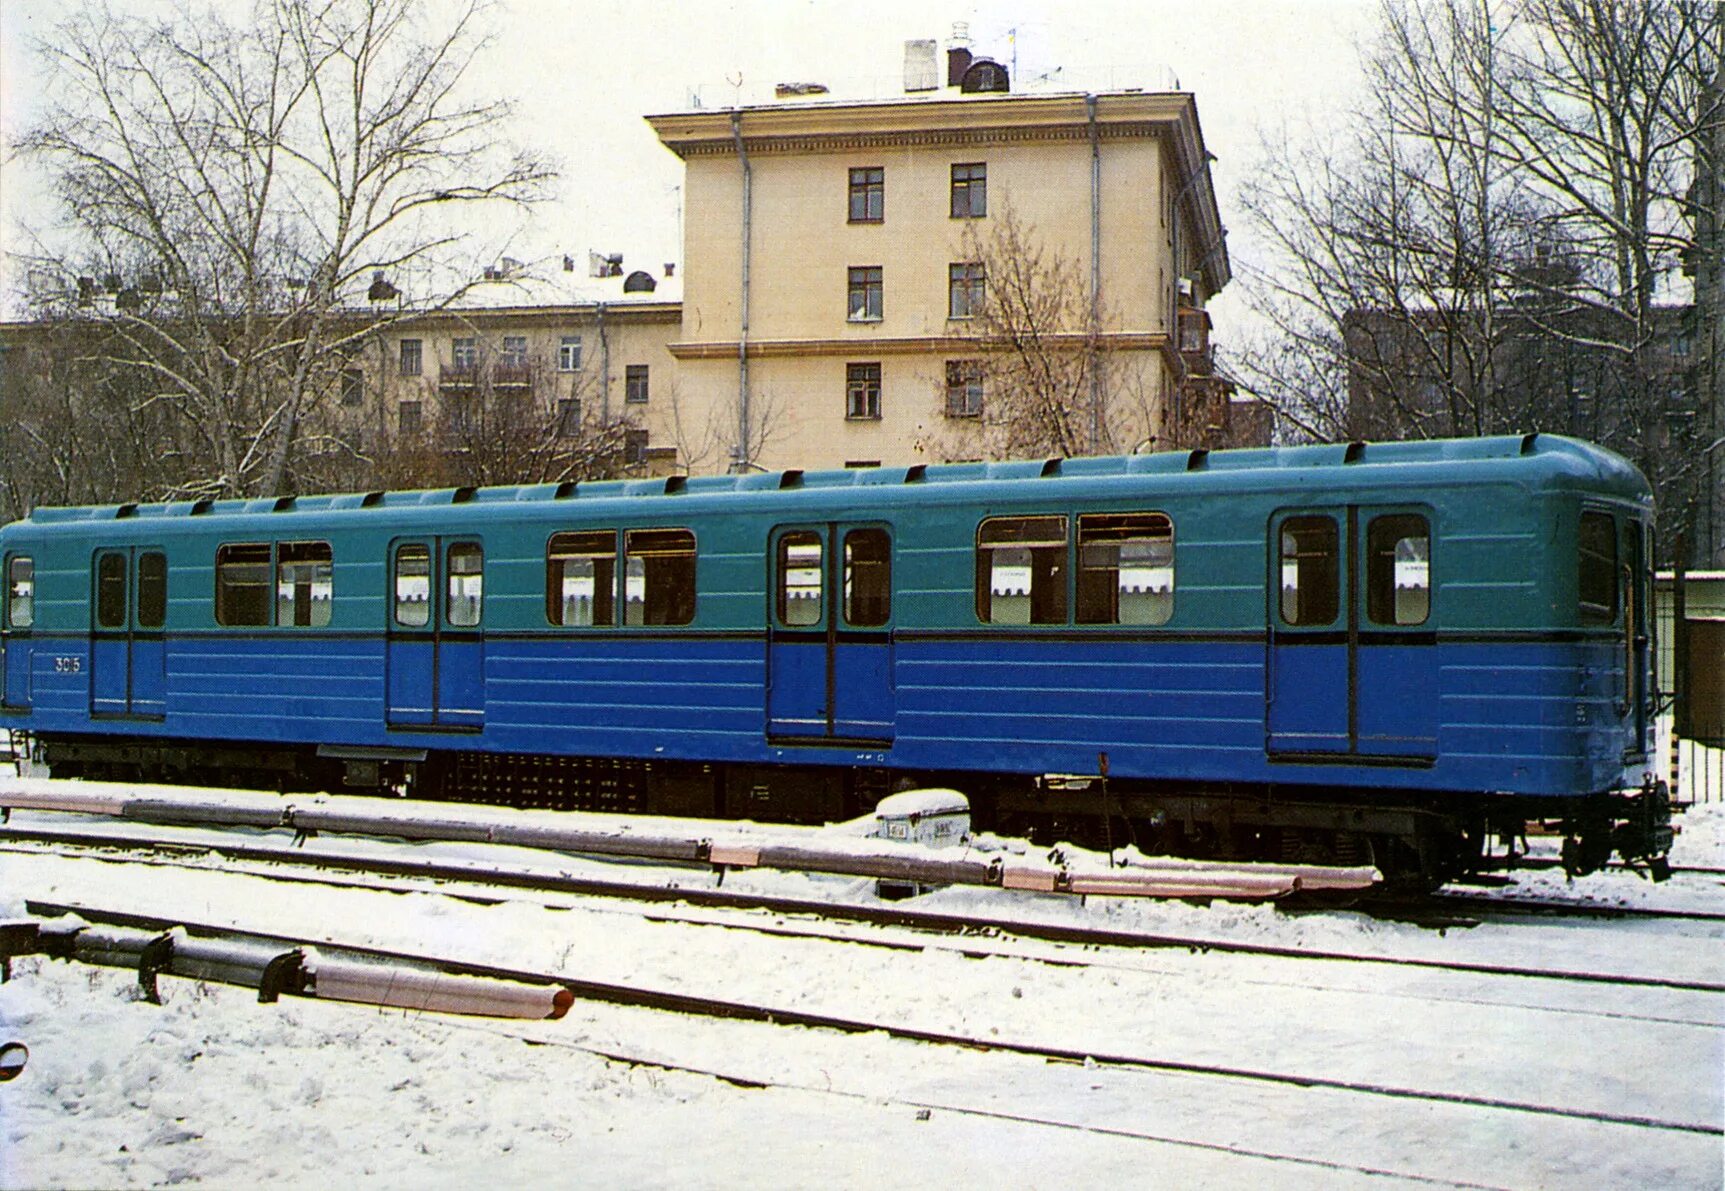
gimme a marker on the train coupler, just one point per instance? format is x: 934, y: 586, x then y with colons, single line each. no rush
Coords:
x: 1636, y: 826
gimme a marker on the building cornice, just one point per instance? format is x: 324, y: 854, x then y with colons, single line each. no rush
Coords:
x: 977, y: 120
x: 907, y: 345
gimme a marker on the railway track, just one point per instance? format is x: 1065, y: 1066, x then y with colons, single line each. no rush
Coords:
x: 970, y: 935
x: 782, y: 1015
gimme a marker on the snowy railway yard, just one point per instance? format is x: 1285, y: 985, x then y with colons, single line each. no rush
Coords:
x: 728, y: 1032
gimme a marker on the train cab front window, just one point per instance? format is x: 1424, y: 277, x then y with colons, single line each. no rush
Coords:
x: 1596, y: 575
x: 1310, y: 557
x: 20, y: 592
x: 466, y: 573
x: 581, y: 578
x: 1021, y: 570
x: 1398, y: 569
x: 1125, y: 568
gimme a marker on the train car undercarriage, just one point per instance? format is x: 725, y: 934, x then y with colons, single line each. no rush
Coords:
x: 1414, y: 839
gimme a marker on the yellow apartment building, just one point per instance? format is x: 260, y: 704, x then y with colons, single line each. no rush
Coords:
x: 831, y: 270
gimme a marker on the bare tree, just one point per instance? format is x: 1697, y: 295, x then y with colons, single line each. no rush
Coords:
x: 1052, y: 381
x: 1493, y: 242
x: 705, y: 436
x: 238, y: 194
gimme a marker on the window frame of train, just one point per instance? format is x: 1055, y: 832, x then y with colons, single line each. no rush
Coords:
x: 128, y: 632
x: 1112, y: 545
x: 435, y: 653
x: 1350, y: 673
x: 830, y: 633
x: 17, y: 630
x: 1037, y: 544
x: 598, y: 549
x: 1613, y: 596
x: 251, y: 577
x: 668, y: 577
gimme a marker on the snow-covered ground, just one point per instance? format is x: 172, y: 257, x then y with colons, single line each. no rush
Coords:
x: 214, y: 1087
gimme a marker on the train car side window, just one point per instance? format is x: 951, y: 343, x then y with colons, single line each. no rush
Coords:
x: 466, y: 574
x: 802, y: 585
x: 305, y: 573
x: 412, y: 585
x: 243, y: 584
x: 659, y: 576
x: 1310, y: 571
x: 1398, y: 569
x: 1125, y: 568
x: 20, y: 592
x: 581, y: 578
x: 1596, y: 577
x: 1021, y: 570
x: 111, y: 591
x: 152, y: 589
x: 868, y: 578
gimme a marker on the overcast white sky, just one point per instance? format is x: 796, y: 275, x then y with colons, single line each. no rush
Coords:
x: 583, y: 75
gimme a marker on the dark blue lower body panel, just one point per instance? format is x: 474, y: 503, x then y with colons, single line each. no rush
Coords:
x: 1510, y: 717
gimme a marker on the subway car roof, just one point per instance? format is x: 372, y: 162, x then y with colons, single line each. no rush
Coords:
x: 1539, y: 459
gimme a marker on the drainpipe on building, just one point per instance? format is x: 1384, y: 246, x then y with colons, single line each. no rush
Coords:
x: 1095, y: 274
x: 604, y: 368
x: 741, y: 461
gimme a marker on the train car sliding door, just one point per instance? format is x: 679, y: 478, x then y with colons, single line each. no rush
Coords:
x: 17, y: 622
x: 128, y: 645
x: 829, y: 641
x: 1352, y: 660
x: 436, y: 638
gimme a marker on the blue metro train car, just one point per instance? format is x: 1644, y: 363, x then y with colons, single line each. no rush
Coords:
x: 1349, y: 652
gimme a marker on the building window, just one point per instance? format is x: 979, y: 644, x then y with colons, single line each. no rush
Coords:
x: 635, y: 445
x: 569, y: 354
x: 1125, y: 568
x: 964, y: 388
x: 1021, y: 570
x: 865, y: 294
x: 409, y: 417
x: 412, y: 355
x: 969, y: 191
x: 514, y: 351
x: 868, y: 194
x: 862, y: 391
x: 568, y: 416
x: 966, y: 285
x: 464, y: 354
x: 352, y: 387
x: 635, y: 384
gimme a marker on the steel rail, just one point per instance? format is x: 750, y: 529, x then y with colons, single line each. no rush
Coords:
x: 930, y: 921
x: 690, y: 1004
